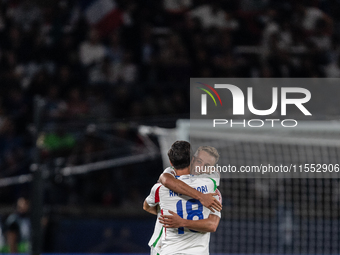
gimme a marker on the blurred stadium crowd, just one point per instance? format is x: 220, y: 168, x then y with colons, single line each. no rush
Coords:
x: 141, y: 68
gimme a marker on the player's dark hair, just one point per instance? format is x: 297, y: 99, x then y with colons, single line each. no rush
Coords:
x: 180, y: 154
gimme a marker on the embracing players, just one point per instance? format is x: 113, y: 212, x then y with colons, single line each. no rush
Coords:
x: 187, y: 230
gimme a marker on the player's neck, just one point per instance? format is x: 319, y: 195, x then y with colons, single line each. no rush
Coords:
x: 183, y: 171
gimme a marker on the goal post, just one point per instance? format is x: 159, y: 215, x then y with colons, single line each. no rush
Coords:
x: 290, y: 215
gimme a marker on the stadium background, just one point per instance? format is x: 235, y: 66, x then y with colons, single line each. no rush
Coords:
x: 104, y: 72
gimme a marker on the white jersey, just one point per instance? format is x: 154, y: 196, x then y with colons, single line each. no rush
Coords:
x: 155, y: 240
x: 183, y: 240
x: 214, y: 175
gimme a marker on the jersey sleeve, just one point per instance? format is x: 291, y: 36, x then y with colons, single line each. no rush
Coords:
x: 216, y: 176
x: 170, y: 170
x: 153, y: 198
x: 216, y: 212
x: 218, y: 197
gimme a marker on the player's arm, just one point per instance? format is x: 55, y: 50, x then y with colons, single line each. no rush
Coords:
x: 150, y: 209
x: 175, y: 221
x: 169, y: 181
x: 151, y: 202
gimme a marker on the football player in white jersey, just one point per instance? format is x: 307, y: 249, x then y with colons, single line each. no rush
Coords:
x: 205, y: 157
x: 202, y: 164
x: 182, y: 238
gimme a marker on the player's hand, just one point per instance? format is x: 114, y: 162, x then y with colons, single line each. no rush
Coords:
x: 210, y: 202
x: 171, y: 221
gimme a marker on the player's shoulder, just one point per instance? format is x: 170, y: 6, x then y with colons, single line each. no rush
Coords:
x: 156, y: 186
x: 216, y: 176
x: 208, y: 181
x: 205, y: 178
x: 170, y: 170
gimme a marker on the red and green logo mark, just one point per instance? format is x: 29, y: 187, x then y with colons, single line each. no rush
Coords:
x: 204, y: 97
x: 209, y: 93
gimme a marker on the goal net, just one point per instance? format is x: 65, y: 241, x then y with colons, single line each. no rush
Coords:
x: 291, y: 215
